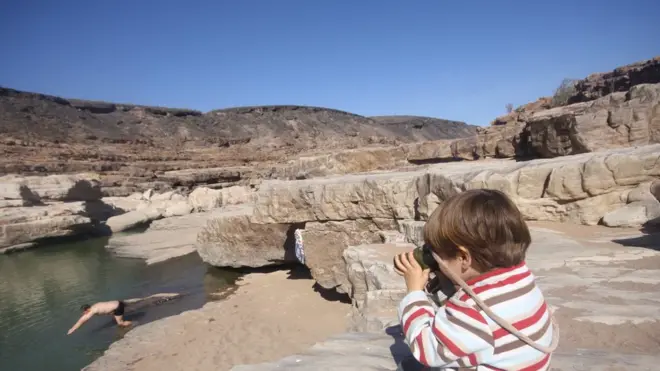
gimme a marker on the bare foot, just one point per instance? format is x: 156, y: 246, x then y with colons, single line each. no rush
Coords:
x: 126, y: 323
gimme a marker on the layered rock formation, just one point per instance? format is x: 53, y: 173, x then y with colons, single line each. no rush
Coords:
x: 35, y: 208
x: 619, y: 80
x: 611, y: 187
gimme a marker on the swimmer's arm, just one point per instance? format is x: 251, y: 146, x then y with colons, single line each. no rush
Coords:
x: 84, y: 318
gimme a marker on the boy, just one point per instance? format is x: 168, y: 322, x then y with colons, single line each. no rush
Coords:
x: 482, y: 238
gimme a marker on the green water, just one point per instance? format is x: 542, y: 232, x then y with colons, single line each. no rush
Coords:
x: 41, y: 291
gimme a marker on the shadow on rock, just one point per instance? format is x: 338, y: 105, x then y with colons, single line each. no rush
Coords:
x: 84, y: 190
x: 650, y: 238
x: 649, y: 241
x: 331, y: 294
x: 401, y: 352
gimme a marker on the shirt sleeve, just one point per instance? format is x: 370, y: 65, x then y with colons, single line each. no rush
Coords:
x: 454, y: 335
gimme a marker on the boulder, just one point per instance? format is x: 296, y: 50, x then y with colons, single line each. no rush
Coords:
x: 26, y: 224
x: 324, y: 243
x: 177, y: 208
x: 205, y: 199
x: 123, y: 204
x: 642, y: 208
x: 236, y: 195
x: 633, y: 214
x: 131, y: 220
x: 164, y: 239
x: 230, y: 239
x: 375, y: 289
x: 386, y: 195
x: 66, y: 187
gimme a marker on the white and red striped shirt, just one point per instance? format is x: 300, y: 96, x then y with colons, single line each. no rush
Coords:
x: 459, y: 334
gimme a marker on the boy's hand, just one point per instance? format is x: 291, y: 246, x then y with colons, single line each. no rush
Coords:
x: 405, y: 265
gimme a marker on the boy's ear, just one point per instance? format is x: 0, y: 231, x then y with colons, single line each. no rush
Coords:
x: 466, y: 258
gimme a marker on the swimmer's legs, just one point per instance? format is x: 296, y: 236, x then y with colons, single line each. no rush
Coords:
x: 121, y: 322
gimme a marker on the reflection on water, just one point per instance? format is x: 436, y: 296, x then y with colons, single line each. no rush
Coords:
x: 41, y: 291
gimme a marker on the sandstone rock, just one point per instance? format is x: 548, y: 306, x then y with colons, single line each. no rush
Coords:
x: 14, y: 203
x: 344, y: 162
x: 236, y: 195
x: 615, y: 121
x: 384, y: 351
x: 169, y: 196
x: 654, y: 189
x: 164, y: 239
x: 25, y: 224
x: 633, y: 214
x: 324, y: 243
x: 130, y: 220
x: 375, y: 289
x: 427, y: 152
x: 365, y: 160
x: 190, y: 177
x: 620, y: 79
x: 581, y: 188
x: 205, y: 199
x: 413, y: 231
x: 387, y: 195
x: 177, y: 208
x: 123, y: 204
x: 148, y: 194
x: 521, y: 114
x: 78, y: 187
x: 619, y: 120
x: 135, y: 196
x: 13, y: 191
x: 391, y: 237
x: 16, y: 248
x: 230, y: 239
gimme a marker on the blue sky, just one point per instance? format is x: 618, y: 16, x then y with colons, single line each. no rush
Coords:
x: 461, y: 60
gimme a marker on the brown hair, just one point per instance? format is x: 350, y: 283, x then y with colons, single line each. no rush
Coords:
x: 485, y: 222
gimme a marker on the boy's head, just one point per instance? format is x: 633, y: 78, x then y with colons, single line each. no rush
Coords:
x: 481, y: 228
x: 85, y: 307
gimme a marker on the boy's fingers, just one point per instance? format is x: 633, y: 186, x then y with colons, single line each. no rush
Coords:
x: 405, y: 260
x: 399, y: 272
x: 398, y: 264
x: 412, y: 262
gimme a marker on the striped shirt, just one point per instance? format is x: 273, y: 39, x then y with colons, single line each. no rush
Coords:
x: 459, y: 334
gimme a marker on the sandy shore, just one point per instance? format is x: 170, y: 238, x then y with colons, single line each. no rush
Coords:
x: 270, y: 316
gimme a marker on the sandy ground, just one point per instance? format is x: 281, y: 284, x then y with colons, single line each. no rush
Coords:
x: 271, y: 315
